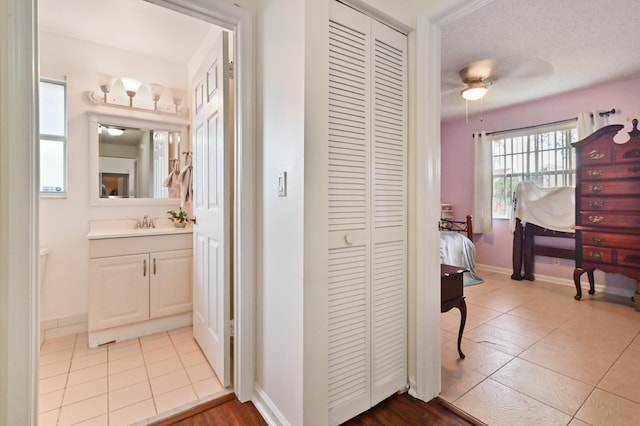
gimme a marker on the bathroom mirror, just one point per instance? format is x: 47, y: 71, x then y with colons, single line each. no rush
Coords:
x: 131, y: 159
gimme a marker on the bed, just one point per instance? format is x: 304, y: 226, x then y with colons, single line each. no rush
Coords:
x: 456, y: 248
x: 541, y: 212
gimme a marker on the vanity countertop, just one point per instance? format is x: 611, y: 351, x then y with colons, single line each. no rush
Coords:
x: 123, y: 228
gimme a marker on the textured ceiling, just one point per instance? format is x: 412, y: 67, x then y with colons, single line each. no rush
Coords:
x: 553, y: 46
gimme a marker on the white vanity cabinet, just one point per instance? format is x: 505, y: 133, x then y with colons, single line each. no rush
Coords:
x: 138, y: 285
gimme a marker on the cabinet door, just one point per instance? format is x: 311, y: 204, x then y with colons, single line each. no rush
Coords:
x: 118, y: 290
x: 170, y: 283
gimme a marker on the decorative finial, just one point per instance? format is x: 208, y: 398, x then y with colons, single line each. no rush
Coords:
x: 635, y: 132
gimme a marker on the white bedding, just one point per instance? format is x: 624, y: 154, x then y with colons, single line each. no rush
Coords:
x: 458, y: 250
x: 551, y: 208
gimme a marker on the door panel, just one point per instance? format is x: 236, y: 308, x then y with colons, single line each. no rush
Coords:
x: 212, y: 151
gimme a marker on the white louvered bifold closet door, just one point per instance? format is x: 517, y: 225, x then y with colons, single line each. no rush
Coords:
x: 367, y: 212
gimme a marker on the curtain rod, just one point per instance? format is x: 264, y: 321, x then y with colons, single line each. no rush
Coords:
x: 601, y: 114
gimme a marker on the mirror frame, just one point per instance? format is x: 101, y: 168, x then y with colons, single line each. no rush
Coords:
x: 143, y: 120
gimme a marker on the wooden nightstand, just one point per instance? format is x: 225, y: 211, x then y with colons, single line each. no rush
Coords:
x: 452, y: 295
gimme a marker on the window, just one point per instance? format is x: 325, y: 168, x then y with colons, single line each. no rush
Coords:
x: 545, y: 157
x: 53, y: 137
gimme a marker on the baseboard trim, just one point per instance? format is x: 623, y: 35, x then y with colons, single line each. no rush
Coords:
x: 267, y: 408
x: 562, y: 281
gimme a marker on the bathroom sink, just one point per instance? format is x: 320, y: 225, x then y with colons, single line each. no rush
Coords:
x: 123, y: 228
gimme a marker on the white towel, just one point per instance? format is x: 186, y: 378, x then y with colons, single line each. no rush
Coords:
x: 172, y: 181
x: 184, y: 180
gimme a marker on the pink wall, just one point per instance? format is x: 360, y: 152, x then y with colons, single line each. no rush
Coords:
x: 457, y: 162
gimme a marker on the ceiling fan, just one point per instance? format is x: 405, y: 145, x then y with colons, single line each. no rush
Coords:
x: 477, y: 77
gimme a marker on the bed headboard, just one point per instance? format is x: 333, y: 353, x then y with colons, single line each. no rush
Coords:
x: 458, y: 226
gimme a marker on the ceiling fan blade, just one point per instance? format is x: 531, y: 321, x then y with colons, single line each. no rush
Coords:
x: 521, y: 67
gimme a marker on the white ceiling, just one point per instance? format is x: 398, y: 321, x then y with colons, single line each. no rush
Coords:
x: 582, y: 42
x: 136, y: 26
x: 576, y: 43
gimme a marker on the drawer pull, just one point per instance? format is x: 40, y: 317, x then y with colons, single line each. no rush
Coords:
x: 144, y: 268
x: 596, y: 219
x: 595, y: 155
x: 596, y: 188
x: 595, y: 173
x: 596, y: 204
x: 632, y: 259
x: 597, y: 240
x: 154, y: 266
x: 634, y: 169
x: 596, y: 254
x: 633, y: 153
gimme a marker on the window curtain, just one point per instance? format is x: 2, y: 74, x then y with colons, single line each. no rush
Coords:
x: 589, y: 122
x: 482, y: 185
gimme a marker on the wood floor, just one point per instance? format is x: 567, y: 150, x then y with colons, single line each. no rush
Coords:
x: 397, y: 410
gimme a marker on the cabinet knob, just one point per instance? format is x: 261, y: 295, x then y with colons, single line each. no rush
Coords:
x: 596, y: 188
x: 596, y: 219
x: 348, y: 238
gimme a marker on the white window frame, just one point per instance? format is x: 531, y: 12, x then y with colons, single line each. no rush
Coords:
x: 528, y: 161
x: 56, y: 138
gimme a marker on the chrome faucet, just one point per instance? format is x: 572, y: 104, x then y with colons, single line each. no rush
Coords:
x: 145, y: 224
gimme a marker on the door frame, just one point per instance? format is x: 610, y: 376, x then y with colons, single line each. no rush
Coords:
x: 19, y: 289
x: 240, y: 20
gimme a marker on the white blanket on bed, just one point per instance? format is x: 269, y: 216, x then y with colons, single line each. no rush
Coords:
x: 458, y: 250
x: 551, y: 208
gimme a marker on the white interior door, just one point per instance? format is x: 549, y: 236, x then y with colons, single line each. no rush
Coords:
x: 212, y: 199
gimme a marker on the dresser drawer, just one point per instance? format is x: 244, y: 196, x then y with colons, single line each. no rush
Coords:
x: 608, y: 219
x: 597, y: 254
x: 609, y: 203
x: 628, y: 258
x: 610, y: 171
x: 627, y: 152
x: 605, y: 239
x: 610, y: 188
x: 598, y: 154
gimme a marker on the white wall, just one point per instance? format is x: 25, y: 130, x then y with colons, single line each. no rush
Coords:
x: 280, y: 85
x: 64, y: 222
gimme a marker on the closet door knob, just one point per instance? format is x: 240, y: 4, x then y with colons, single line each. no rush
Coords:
x: 348, y: 238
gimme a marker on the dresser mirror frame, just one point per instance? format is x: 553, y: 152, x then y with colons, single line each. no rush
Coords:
x: 150, y: 121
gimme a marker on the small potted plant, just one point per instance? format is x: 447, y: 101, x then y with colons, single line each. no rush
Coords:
x: 180, y: 218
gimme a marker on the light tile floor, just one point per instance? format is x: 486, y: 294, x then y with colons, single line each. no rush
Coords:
x: 123, y: 383
x: 536, y: 356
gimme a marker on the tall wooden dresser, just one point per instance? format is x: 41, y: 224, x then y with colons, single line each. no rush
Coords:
x: 608, y: 206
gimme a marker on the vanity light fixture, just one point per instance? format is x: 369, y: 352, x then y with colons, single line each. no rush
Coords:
x: 105, y: 83
x: 177, y: 95
x: 131, y: 87
x: 156, y: 91
x: 120, y: 91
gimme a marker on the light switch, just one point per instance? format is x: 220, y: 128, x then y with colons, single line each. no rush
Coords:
x: 282, y: 184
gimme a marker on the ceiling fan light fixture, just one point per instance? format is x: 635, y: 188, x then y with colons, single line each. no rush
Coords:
x: 474, y: 90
